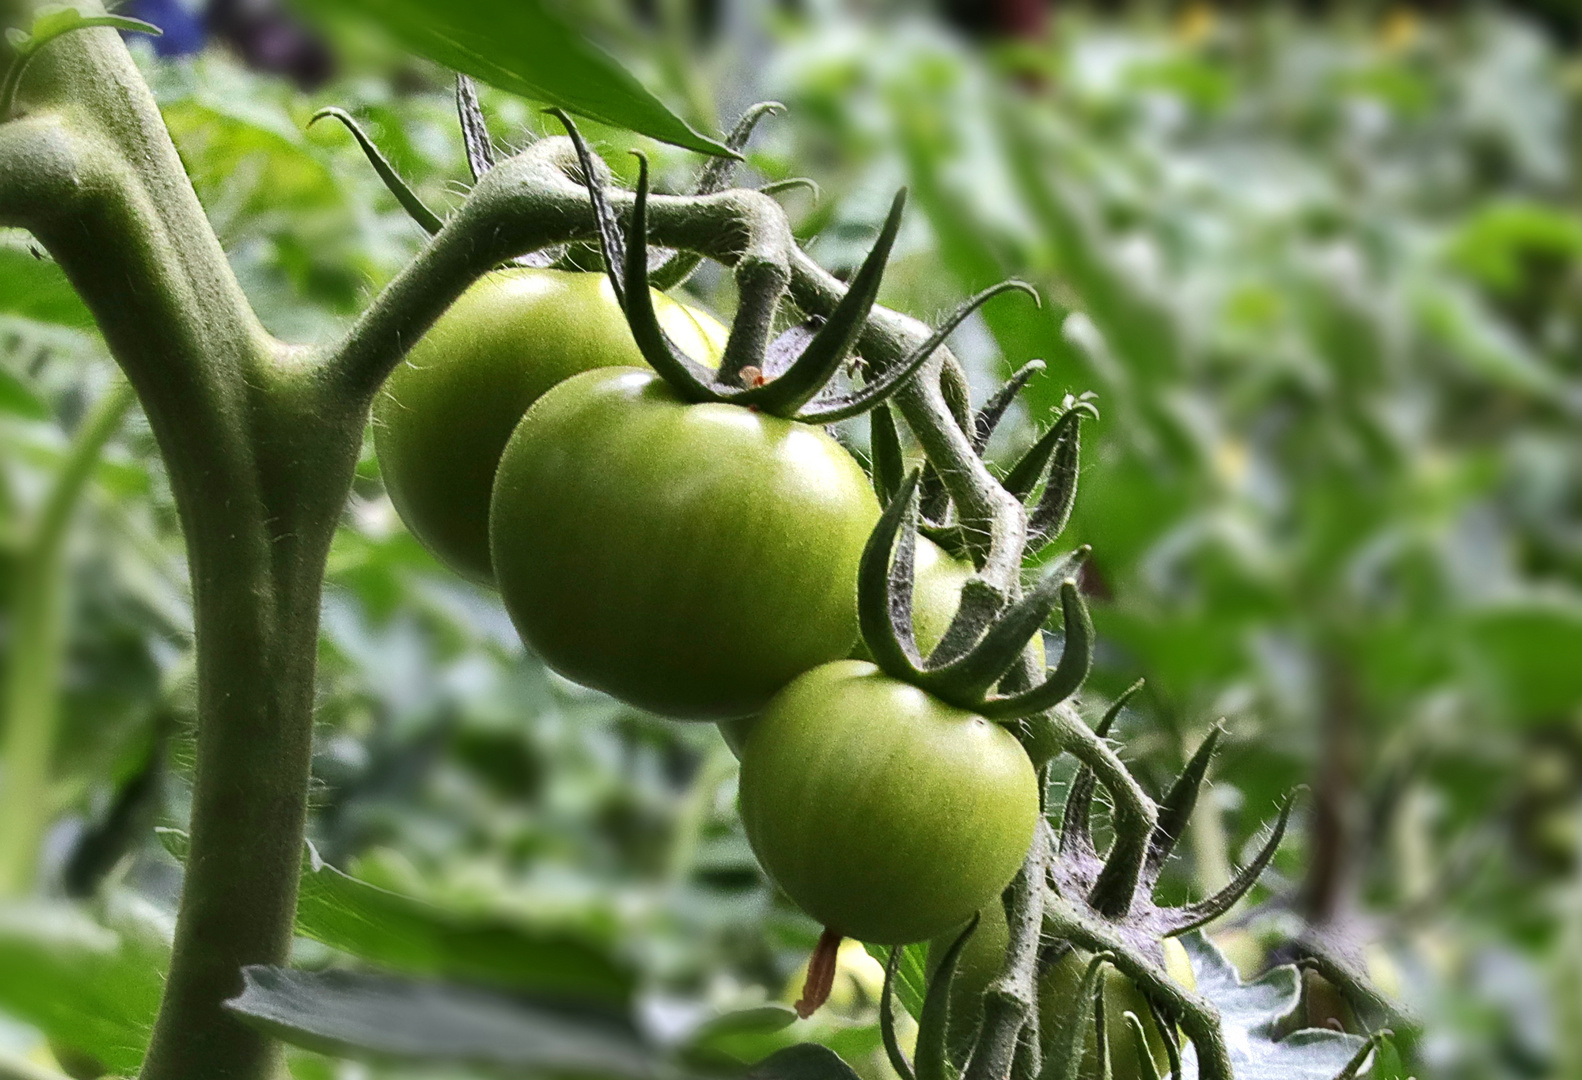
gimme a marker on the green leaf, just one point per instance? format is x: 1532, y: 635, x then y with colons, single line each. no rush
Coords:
x: 804, y: 1061
x: 911, y: 978
x: 389, y: 1019
x: 36, y: 289
x: 1253, y: 1014
x: 1527, y: 647
x: 90, y: 985
x: 53, y: 21
x: 418, y: 938
x: 523, y: 47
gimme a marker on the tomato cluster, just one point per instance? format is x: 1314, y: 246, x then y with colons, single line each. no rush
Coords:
x: 699, y: 559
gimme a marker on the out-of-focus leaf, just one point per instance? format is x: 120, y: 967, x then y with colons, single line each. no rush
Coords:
x: 1253, y: 1014
x: 1530, y: 647
x: 376, y: 1016
x: 418, y: 938
x: 805, y: 1061
x: 1486, y: 346
x: 740, y: 1036
x: 524, y: 47
x: 17, y: 400
x: 89, y: 985
x: 37, y: 289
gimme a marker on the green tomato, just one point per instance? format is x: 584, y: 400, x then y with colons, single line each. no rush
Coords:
x: 448, y: 410
x: 881, y: 811
x: 688, y: 559
x: 937, y: 579
x: 983, y: 957
x: 1057, y: 1001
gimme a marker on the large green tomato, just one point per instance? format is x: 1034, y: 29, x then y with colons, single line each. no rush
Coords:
x: 688, y: 559
x: 448, y: 410
x: 881, y: 811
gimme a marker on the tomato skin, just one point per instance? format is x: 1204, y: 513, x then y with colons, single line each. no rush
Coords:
x: 688, y: 559
x: 884, y: 813
x: 447, y: 411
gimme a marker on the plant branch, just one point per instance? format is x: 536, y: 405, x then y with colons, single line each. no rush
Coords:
x: 1011, y: 999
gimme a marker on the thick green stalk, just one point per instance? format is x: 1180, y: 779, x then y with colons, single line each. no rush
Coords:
x: 260, y: 458
x: 37, y: 660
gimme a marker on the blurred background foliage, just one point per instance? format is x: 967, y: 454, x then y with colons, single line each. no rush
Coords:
x: 1322, y: 270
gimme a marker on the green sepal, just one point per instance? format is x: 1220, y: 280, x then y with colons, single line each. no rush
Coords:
x: 474, y: 131
x: 1177, y: 807
x: 884, y: 444
x: 611, y: 244
x: 1145, y: 1055
x: 812, y: 371
x: 891, y: 379
x: 689, y: 378
x: 715, y: 177
x: 419, y: 212
x: 967, y: 680
x: 1076, y: 659
x: 1053, y: 511
x: 884, y: 586
x: 1183, y: 919
x: 892, y: 1046
x: 1025, y: 474
x: 988, y: 418
x: 1172, y: 1039
x: 791, y: 183
x: 1076, y: 819
x: 1065, y: 1059
x: 933, y: 1052
x: 1101, y: 1041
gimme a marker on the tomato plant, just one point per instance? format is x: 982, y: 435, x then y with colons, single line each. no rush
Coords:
x: 447, y: 411
x: 690, y: 559
x: 884, y: 813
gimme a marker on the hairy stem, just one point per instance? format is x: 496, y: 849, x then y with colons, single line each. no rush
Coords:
x: 36, y: 664
x: 1011, y: 999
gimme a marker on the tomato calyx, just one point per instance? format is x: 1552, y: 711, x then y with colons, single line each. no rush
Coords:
x: 984, y: 641
x: 820, y: 973
x: 798, y: 366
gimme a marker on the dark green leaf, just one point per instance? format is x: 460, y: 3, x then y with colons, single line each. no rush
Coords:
x: 805, y: 1061
x: 37, y: 289
x: 418, y: 938
x: 376, y: 1016
x: 523, y: 47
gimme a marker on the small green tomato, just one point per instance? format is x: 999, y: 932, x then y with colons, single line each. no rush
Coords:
x: 880, y: 810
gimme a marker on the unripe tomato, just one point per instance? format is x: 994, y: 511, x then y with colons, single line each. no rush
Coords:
x: 881, y: 811
x: 447, y: 411
x: 688, y: 559
x: 1057, y: 1001
x: 937, y: 578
